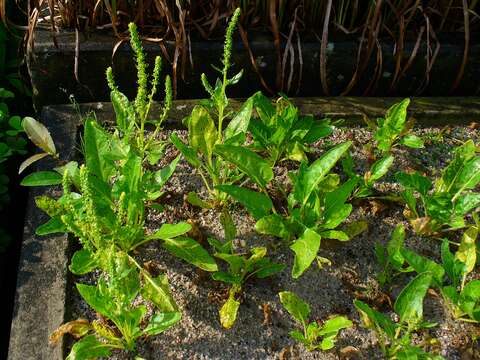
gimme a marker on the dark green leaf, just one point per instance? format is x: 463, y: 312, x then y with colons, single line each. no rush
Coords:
x: 42, y: 178
x: 409, y: 303
x: 305, y: 248
x: 257, y: 204
x: 239, y: 124
x: 168, y: 231
x: 191, y: 251
x: 83, y: 261
x: 161, y: 322
x: 257, y: 168
x: 52, y: 226
x: 89, y: 348
x: 295, y: 306
x: 187, y: 151
x: 273, y: 225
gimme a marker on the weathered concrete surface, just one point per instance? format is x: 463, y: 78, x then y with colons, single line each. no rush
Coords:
x: 42, y: 277
x: 41, y: 284
x: 53, y: 76
x: 427, y: 111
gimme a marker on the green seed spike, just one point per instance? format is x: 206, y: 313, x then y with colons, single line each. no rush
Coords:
x: 141, y: 99
x: 227, y: 50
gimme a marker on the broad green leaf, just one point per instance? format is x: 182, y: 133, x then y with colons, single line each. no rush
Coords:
x: 257, y: 168
x: 409, y: 303
x: 97, y: 144
x: 42, y: 178
x: 229, y: 228
x: 314, y: 174
x: 168, y: 231
x: 194, y: 199
x: 450, y: 174
x: 414, y: 181
x: 336, y: 199
x: 412, y: 141
x: 162, y: 175
x: 187, y: 151
x: 467, y: 251
x: 330, y: 330
x: 379, y: 169
x: 421, y: 264
x: 295, y: 306
x: 236, y: 262
x: 52, y: 226
x: 334, y: 234
x: 468, y: 178
x: 305, y: 248
x: 319, y: 129
x: 372, y: 318
x: 83, y: 261
x: 191, y: 251
x: 240, y: 122
x: 390, y: 128
x: 355, y: 228
x: 26, y: 163
x: 202, y: 132
x: 273, y: 225
x: 337, y: 217
x: 467, y: 202
x: 157, y: 290
x: 257, y: 204
x: 266, y: 268
x: 89, y: 348
x: 264, y: 107
x: 100, y: 303
x: 395, y: 245
x: 453, y: 267
x: 161, y: 322
x: 470, y: 299
x: 39, y: 135
x: 228, y: 312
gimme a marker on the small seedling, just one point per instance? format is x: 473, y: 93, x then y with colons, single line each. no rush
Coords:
x: 395, y: 338
x: 312, y: 331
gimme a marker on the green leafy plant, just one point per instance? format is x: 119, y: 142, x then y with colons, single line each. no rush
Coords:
x: 312, y: 331
x: 241, y: 267
x: 462, y: 298
x: 395, y: 338
x: 317, y: 206
x: 113, y: 298
x: 394, y: 129
x: 103, y: 205
x: 132, y: 117
x: 445, y: 204
x: 281, y: 132
x: 365, y: 182
x: 210, y: 147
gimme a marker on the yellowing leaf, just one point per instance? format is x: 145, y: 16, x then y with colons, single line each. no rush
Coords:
x: 76, y: 328
x: 228, y: 312
x: 39, y: 135
x: 26, y: 163
x: 467, y: 251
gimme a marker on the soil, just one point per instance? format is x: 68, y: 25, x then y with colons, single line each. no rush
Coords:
x: 262, y: 327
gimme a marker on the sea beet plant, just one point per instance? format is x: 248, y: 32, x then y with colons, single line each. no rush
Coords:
x: 445, y: 203
x: 312, y: 331
x: 210, y: 147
